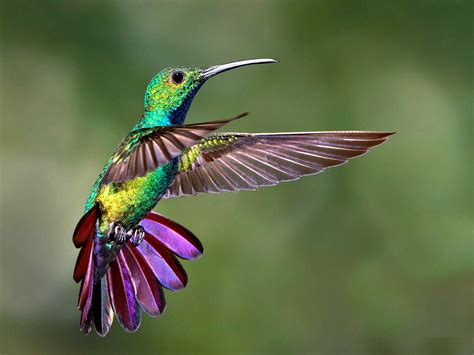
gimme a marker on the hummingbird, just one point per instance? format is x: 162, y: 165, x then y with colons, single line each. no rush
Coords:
x: 129, y: 253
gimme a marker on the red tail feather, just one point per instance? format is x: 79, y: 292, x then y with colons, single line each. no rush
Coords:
x: 86, y: 284
x: 86, y: 226
x: 122, y: 294
x: 82, y: 262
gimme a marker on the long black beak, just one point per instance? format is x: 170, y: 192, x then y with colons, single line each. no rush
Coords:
x: 216, y: 69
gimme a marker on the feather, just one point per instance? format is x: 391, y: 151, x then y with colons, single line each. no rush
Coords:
x: 102, y: 308
x: 162, y: 262
x: 122, y: 294
x: 85, y: 299
x: 86, y: 226
x: 148, y: 291
x: 145, y: 150
x: 85, y: 284
x: 174, y: 236
x: 83, y: 260
x: 246, y: 161
x: 86, y: 313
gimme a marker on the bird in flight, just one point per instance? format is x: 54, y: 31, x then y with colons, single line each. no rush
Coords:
x: 128, y: 253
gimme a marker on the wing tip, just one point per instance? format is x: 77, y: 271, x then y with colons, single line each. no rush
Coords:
x: 384, y: 136
x: 240, y: 115
x: 387, y: 134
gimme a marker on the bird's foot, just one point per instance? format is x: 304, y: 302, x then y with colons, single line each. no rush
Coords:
x: 117, y: 233
x: 136, y: 235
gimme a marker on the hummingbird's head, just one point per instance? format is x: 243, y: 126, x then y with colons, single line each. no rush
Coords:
x: 170, y: 93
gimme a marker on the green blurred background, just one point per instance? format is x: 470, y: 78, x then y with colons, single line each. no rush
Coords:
x: 372, y: 257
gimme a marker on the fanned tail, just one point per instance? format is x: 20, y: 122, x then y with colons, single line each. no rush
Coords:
x: 135, y: 279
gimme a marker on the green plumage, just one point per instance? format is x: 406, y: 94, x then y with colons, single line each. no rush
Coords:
x: 127, y: 202
x: 213, y: 142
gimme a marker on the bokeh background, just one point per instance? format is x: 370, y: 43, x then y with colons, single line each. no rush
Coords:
x: 372, y: 257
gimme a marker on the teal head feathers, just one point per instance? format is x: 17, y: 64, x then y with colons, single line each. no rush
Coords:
x: 170, y: 93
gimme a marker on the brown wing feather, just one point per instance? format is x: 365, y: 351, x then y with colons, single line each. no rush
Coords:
x: 144, y: 151
x: 244, y: 161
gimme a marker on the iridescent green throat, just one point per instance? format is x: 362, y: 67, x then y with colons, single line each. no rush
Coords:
x: 166, y: 117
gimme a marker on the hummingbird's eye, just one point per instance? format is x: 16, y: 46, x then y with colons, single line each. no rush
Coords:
x: 177, y: 77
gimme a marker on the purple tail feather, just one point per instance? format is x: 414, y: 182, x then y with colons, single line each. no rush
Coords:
x: 135, y: 279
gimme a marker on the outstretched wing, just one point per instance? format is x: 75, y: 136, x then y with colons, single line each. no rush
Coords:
x: 245, y: 161
x: 145, y: 150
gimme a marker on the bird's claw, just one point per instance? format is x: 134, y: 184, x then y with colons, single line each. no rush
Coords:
x: 136, y: 235
x: 119, y: 235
